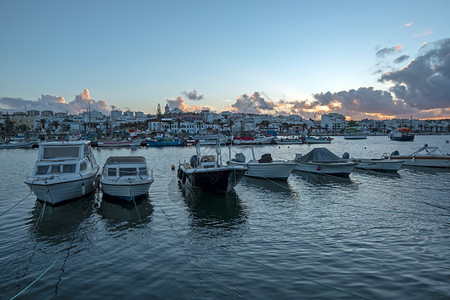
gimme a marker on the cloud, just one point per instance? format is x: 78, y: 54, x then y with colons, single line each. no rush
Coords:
x: 254, y: 104
x: 180, y: 104
x: 407, y: 25
x: 425, y: 82
x: 401, y: 59
x: 56, y: 104
x: 423, y: 33
x: 389, y: 50
x: 193, y: 95
x: 423, y: 45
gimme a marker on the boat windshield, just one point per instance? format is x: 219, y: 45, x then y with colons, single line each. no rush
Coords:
x: 60, y: 152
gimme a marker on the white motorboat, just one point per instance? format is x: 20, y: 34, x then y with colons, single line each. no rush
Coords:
x: 126, y: 177
x: 375, y: 164
x: 424, y: 157
x: 207, y: 173
x: 63, y: 171
x: 264, y: 167
x: 123, y: 143
x: 402, y: 135
x: 323, y: 161
x: 289, y: 140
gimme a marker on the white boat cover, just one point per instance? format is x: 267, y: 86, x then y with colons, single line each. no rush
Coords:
x: 319, y: 155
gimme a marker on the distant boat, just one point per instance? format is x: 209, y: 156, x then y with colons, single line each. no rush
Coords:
x: 16, y: 145
x: 126, y: 177
x: 258, y: 139
x: 317, y: 140
x: 423, y: 157
x: 63, y: 171
x: 402, y: 134
x: 353, y: 133
x: 289, y: 140
x: 264, y: 167
x: 123, y: 143
x: 165, y: 142
x: 206, y: 173
x: 323, y: 161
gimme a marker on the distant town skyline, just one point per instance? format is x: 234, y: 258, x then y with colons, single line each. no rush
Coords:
x: 378, y: 60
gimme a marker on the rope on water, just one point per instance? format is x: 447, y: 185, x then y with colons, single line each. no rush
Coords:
x: 36, y: 279
x: 15, y: 204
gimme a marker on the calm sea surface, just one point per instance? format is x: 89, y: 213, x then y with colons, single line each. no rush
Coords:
x: 372, y: 236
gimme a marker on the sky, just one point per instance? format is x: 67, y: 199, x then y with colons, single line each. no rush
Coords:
x: 362, y: 59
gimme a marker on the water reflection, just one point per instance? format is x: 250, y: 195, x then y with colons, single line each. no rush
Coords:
x: 122, y: 215
x: 55, y: 224
x: 386, y: 174
x: 323, y: 179
x: 267, y: 185
x: 209, y: 209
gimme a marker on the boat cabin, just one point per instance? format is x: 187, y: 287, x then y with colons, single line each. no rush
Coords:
x: 125, y: 167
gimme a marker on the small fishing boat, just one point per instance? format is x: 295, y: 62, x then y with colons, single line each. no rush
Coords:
x: 116, y: 144
x: 317, y: 140
x: 126, y: 177
x: 206, y: 173
x: 323, y: 161
x: 423, y: 157
x: 265, y: 167
x: 402, y: 135
x: 63, y: 171
x: 375, y: 164
x: 353, y: 133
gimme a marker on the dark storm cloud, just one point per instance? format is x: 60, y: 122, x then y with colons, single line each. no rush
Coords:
x: 364, y: 100
x: 401, y: 59
x: 425, y: 82
x: 193, y: 95
x: 253, y: 104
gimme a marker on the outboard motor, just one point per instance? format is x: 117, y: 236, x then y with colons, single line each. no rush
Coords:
x: 265, y: 158
x: 194, y: 161
x: 345, y: 155
x: 395, y: 153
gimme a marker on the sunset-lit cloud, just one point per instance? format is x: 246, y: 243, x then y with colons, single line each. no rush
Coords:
x: 81, y: 103
x: 181, y: 105
x: 407, y: 25
x: 423, y: 33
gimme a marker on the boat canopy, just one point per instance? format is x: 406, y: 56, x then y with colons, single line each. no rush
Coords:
x: 125, y: 160
x: 319, y: 155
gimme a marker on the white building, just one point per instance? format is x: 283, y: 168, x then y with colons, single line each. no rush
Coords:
x: 333, y: 122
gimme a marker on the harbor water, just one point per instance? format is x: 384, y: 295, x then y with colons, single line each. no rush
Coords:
x: 370, y: 236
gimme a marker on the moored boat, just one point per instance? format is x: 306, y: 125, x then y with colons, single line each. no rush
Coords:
x: 423, y: 157
x: 206, y: 173
x: 289, y: 140
x: 265, y: 167
x: 63, y: 171
x: 402, y: 135
x: 126, y: 177
x: 17, y: 145
x: 323, y: 161
x: 115, y: 144
x: 165, y: 142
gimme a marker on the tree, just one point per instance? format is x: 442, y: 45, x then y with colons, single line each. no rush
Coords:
x: 158, y: 112
x: 43, y: 121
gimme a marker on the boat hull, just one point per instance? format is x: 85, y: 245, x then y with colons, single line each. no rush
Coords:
x: 119, y: 144
x: 165, y: 143
x: 125, y: 191
x: 214, y: 180
x: 355, y: 137
x: 24, y: 145
x: 379, y: 164
x: 406, y: 138
x: 424, y: 161
x: 54, y: 191
x: 310, y: 140
x: 272, y: 170
x: 337, y: 169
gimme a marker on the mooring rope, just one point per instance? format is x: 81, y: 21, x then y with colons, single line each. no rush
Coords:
x: 16, y: 204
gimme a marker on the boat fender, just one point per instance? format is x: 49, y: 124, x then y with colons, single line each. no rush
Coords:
x: 184, y: 178
x: 319, y: 168
x: 83, y: 189
x: 179, y: 172
x: 172, y: 167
